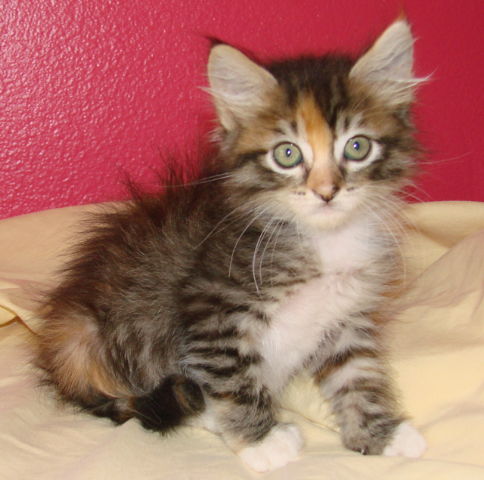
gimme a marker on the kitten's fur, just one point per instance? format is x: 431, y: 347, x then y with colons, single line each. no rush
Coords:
x: 199, y: 304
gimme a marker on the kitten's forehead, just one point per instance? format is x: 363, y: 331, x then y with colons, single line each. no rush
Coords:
x: 319, y: 136
x: 314, y: 125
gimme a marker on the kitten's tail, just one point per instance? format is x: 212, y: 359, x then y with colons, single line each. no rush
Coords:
x: 69, y: 350
x: 168, y: 406
x: 175, y: 400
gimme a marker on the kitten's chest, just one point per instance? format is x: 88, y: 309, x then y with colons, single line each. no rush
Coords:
x: 300, y: 322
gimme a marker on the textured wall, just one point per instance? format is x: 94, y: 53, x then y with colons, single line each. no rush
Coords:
x: 92, y: 88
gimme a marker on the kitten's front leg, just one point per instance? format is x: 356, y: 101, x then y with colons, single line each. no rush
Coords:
x: 246, y: 421
x: 276, y: 449
x: 356, y: 382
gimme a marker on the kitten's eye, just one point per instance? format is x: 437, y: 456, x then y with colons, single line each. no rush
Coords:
x: 287, y: 155
x: 357, y: 148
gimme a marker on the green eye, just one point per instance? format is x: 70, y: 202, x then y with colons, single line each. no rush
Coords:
x: 287, y: 155
x: 357, y: 148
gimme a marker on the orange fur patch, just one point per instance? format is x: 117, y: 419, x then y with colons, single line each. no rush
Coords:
x: 321, y: 177
x: 70, y: 351
x: 317, y: 129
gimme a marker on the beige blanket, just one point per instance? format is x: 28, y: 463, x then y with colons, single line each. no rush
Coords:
x: 436, y: 346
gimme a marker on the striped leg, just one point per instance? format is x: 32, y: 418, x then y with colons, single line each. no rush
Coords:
x: 246, y: 422
x: 355, y: 380
x: 363, y: 402
x: 241, y: 409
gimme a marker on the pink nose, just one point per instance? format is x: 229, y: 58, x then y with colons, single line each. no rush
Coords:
x: 327, y: 194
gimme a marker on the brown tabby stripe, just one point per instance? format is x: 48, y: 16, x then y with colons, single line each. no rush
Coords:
x: 341, y: 358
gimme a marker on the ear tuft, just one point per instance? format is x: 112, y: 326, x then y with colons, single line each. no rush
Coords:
x: 238, y: 85
x: 387, y: 67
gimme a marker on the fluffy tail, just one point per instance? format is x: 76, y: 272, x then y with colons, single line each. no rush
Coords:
x: 173, y: 402
x: 164, y: 409
x: 74, y: 361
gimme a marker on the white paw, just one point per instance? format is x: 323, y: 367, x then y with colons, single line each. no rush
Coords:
x: 279, y: 447
x: 407, y: 442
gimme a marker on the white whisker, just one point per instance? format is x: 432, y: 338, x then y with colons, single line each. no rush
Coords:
x: 278, y: 232
x: 257, y: 247
x: 388, y: 214
x: 220, y: 223
x: 275, y: 231
x: 256, y: 217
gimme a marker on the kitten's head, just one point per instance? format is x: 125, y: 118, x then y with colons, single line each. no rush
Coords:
x: 318, y: 139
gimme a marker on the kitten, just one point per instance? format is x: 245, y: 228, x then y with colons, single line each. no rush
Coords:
x: 197, y: 306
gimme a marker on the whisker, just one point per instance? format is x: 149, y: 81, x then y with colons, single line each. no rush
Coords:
x: 276, y: 231
x: 219, y: 223
x: 214, y: 178
x: 256, y: 217
x: 445, y: 160
x: 256, y: 250
x: 387, y: 216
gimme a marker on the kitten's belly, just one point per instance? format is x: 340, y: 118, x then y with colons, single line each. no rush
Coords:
x: 300, y: 323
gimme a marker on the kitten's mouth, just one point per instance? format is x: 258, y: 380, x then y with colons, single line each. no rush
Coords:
x: 329, y: 209
x: 326, y: 209
x: 314, y: 206
x: 315, y: 210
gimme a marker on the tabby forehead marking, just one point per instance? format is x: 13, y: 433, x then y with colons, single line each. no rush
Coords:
x: 319, y: 136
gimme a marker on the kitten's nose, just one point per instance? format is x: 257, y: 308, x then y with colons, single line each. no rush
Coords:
x: 327, y: 194
x: 324, y: 180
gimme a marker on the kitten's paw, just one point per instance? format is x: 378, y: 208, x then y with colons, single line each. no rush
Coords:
x: 407, y: 442
x: 278, y: 448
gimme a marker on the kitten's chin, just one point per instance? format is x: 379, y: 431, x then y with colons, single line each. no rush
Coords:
x: 327, y: 217
x: 319, y: 215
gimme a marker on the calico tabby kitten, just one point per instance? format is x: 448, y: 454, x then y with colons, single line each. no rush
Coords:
x: 197, y: 305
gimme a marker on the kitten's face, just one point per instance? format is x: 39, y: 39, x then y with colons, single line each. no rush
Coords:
x: 321, y: 174
x: 317, y: 140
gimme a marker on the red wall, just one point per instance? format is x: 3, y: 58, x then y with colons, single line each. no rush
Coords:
x: 90, y: 88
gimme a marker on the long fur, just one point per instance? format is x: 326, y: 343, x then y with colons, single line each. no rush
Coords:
x: 198, y: 304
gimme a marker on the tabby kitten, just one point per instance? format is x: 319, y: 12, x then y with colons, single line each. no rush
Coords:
x: 197, y: 306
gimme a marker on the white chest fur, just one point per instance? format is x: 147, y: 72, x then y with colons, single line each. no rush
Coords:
x: 301, y: 321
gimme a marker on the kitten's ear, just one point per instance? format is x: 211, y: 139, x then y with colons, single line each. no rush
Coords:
x: 387, y: 66
x: 239, y: 86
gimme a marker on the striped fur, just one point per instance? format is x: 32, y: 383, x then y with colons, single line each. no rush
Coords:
x: 198, y: 305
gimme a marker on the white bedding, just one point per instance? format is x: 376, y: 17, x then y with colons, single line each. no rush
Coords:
x: 436, y: 349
